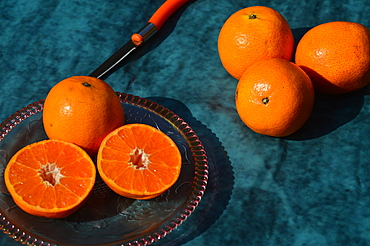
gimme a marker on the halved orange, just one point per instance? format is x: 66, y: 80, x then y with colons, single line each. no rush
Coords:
x: 50, y: 178
x: 139, y: 161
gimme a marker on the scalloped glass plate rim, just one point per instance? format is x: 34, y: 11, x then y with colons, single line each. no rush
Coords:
x: 193, y: 141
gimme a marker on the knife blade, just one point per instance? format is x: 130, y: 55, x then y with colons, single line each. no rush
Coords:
x: 137, y: 39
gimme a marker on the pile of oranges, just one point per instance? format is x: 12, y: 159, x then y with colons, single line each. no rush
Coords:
x: 275, y: 95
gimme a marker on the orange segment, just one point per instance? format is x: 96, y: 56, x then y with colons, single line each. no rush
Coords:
x: 63, y: 196
x: 51, y: 178
x: 139, y: 161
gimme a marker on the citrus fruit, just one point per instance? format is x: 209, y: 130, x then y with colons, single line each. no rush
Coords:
x: 252, y: 34
x: 139, y: 161
x: 274, y: 97
x: 336, y: 56
x: 50, y: 178
x: 82, y: 110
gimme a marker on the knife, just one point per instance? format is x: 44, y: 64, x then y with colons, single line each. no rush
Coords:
x: 138, y: 38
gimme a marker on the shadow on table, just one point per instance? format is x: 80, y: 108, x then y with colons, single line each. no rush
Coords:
x: 220, y: 183
x: 330, y: 111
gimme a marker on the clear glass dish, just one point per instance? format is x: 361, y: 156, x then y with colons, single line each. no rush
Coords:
x: 107, y: 218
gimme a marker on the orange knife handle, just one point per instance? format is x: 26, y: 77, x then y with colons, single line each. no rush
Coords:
x: 157, y: 20
x: 165, y: 11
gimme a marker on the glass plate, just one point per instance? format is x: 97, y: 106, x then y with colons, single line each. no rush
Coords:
x: 107, y: 218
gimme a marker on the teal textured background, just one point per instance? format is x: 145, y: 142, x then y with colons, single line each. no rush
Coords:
x: 311, y: 188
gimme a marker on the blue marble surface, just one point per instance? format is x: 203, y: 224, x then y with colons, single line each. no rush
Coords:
x: 311, y: 188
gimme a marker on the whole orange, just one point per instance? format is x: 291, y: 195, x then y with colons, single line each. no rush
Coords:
x: 336, y: 56
x: 82, y: 110
x: 274, y: 97
x: 252, y: 34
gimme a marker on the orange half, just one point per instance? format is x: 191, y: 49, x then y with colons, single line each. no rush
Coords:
x: 139, y: 161
x: 50, y: 178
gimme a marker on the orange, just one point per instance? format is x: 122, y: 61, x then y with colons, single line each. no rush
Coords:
x: 139, y: 161
x: 336, y: 56
x: 82, y: 110
x: 50, y: 178
x: 252, y: 34
x: 274, y: 97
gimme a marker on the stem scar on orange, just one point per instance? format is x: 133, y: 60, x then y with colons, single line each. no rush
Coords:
x: 274, y: 97
x: 82, y: 110
x: 336, y: 56
x: 252, y: 34
x: 50, y: 178
x: 139, y: 161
